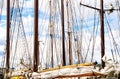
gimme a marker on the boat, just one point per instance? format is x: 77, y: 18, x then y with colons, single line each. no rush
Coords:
x: 66, y: 67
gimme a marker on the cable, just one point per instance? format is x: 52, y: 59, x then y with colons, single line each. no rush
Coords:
x: 1, y: 9
x: 114, y: 42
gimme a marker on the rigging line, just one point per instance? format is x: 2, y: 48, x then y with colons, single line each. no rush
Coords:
x: 81, y: 39
x: 88, y: 47
x: 112, y: 48
x: 110, y: 30
x: 75, y: 15
x: 15, y: 44
x: 48, y: 55
x: 56, y: 19
x: 86, y: 26
x: 1, y: 9
x: 17, y: 38
x: 12, y: 38
x: 111, y: 45
x: 3, y: 60
x: 58, y: 53
x: 57, y: 12
x: 118, y: 6
x: 12, y: 15
x: 22, y: 26
x: 72, y: 11
x: 54, y: 31
x: 90, y: 40
x: 25, y: 38
x: 78, y: 11
x: 82, y: 19
x: 13, y: 6
x: 58, y: 1
x: 117, y: 3
x: 44, y: 18
x: 42, y: 59
x: 43, y: 30
x: 81, y: 33
x: 53, y: 19
x: 13, y: 12
x: 13, y: 29
x: 118, y: 13
x: 96, y: 30
x: 57, y: 36
x: 115, y: 53
x: 114, y: 42
x: 12, y: 34
x: 76, y: 23
x: 43, y: 50
x: 88, y: 30
x: 79, y: 49
x: 93, y: 47
x: 15, y: 51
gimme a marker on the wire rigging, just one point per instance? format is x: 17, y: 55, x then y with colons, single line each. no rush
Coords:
x: 113, y: 39
x: 1, y: 8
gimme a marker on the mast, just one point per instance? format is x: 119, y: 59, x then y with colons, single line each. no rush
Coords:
x: 102, y: 32
x: 69, y: 35
x: 51, y: 34
x: 63, y: 34
x: 36, y: 53
x: 101, y: 10
x: 8, y: 37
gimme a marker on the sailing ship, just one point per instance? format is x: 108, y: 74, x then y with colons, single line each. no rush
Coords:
x: 59, y: 60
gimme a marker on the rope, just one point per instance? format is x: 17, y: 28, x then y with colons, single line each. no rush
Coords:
x: 1, y: 9
x: 114, y: 42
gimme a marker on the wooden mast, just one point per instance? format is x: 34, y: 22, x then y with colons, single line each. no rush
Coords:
x: 69, y: 35
x: 63, y: 33
x: 51, y: 35
x: 36, y: 53
x: 102, y: 32
x: 8, y: 37
x: 101, y: 10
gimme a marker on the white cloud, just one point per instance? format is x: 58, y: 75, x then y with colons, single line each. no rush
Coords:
x: 3, y: 33
x: 2, y: 48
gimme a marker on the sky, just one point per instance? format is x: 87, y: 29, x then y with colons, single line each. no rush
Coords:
x: 84, y: 17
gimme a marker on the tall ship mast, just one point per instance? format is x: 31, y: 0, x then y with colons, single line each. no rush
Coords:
x: 36, y: 53
x: 102, y: 32
x: 8, y: 38
x: 63, y: 33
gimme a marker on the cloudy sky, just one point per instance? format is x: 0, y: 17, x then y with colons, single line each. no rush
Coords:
x: 82, y: 16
